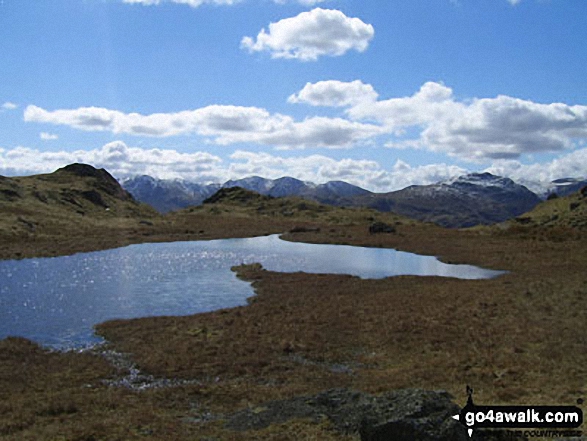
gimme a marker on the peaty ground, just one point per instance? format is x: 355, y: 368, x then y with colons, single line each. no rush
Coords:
x: 517, y: 339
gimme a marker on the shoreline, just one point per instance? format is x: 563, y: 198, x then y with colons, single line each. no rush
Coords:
x: 304, y: 333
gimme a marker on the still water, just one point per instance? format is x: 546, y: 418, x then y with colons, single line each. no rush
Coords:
x: 56, y: 301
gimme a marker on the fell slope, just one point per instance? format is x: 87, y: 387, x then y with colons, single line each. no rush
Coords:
x: 569, y: 212
x: 75, y: 201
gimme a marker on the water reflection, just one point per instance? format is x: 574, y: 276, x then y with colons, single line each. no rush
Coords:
x: 56, y: 301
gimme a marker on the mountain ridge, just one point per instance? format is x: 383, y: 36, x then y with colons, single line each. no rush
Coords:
x: 464, y: 201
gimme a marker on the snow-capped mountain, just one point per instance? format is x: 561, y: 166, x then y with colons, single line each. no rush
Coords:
x: 333, y: 192
x: 559, y: 187
x: 168, y: 194
x: 281, y: 187
x: 566, y: 186
x: 477, y: 198
x: 473, y: 199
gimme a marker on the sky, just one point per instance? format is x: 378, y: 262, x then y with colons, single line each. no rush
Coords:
x: 378, y: 94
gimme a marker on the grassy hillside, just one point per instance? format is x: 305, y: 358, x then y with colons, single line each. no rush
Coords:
x: 241, y: 203
x: 73, y: 197
x: 562, y: 212
x: 557, y: 219
x: 76, y: 203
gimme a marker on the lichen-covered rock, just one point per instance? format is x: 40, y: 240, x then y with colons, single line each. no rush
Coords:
x: 399, y: 415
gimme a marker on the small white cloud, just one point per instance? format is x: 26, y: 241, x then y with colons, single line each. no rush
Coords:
x: 9, y: 106
x: 514, y: 2
x: 335, y: 94
x: 312, y: 34
x: 48, y: 136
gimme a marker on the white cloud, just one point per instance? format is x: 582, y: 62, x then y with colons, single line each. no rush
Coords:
x: 478, y: 129
x: 335, y: 94
x: 9, y: 106
x: 118, y: 159
x: 514, y: 2
x: 123, y: 161
x: 317, y: 168
x: 432, y: 101
x: 314, y: 168
x: 192, y: 3
x: 505, y: 128
x: 48, y: 136
x: 223, y: 124
x: 311, y: 35
x: 536, y: 176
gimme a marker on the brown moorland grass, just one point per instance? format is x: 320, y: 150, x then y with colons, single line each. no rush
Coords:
x: 517, y: 339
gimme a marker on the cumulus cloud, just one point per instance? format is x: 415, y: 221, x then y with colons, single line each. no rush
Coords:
x: 314, y: 168
x: 48, y: 136
x: 223, y: 124
x: 475, y: 130
x: 335, y: 94
x: 432, y: 101
x: 124, y: 161
x: 505, y: 128
x: 118, y: 158
x: 318, y: 168
x: 192, y: 3
x: 537, y: 176
x: 311, y: 35
x: 9, y: 106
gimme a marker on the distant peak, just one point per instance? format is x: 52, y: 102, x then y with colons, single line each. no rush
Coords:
x: 482, y: 179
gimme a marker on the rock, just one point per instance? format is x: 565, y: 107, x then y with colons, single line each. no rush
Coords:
x: 298, y: 229
x: 94, y: 197
x: 400, y: 415
x: 413, y: 415
x: 381, y: 227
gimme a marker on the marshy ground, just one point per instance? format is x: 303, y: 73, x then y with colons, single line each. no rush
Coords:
x: 520, y: 338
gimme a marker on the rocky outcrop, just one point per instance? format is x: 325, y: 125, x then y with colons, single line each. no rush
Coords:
x: 104, y: 180
x: 381, y: 227
x: 400, y: 415
x: 236, y: 195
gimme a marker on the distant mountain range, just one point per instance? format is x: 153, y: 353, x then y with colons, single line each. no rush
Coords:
x: 473, y: 199
x: 168, y: 195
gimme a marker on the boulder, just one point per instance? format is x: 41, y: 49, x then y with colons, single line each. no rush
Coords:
x: 399, y: 415
x: 381, y: 227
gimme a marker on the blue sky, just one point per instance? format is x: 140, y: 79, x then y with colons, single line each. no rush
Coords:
x: 380, y: 94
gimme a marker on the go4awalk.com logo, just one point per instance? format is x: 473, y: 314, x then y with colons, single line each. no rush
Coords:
x: 518, y: 417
